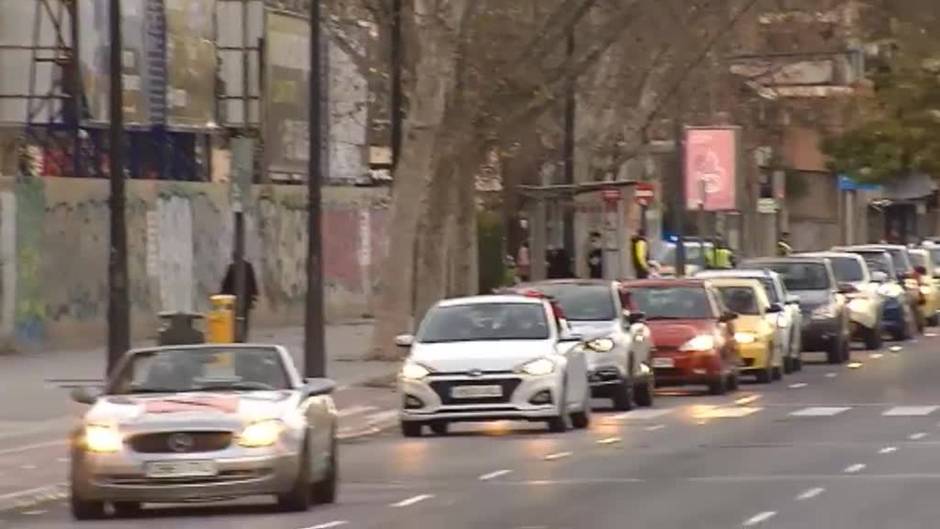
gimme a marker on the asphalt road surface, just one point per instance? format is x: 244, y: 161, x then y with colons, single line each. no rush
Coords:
x: 834, y: 446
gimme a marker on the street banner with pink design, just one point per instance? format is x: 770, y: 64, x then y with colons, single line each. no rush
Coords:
x: 711, y: 168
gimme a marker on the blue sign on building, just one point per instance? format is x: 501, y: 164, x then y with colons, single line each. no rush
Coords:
x: 846, y: 183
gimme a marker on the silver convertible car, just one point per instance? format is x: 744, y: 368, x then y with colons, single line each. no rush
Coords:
x: 203, y: 423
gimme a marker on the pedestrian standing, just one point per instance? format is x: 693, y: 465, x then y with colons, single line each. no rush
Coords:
x: 595, y: 258
x: 783, y: 245
x: 639, y: 254
x: 523, y: 262
x: 229, y: 285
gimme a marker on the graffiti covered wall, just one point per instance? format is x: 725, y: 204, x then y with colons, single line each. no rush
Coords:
x: 54, y: 254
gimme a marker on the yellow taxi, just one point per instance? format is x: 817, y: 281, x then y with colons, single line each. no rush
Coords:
x: 755, y: 333
x: 923, y: 262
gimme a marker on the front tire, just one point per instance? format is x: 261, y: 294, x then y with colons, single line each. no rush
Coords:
x: 324, y: 491
x: 127, y: 509
x: 85, y: 509
x: 582, y: 419
x: 835, y: 353
x: 439, y: 428
x: 873, y: 339
x: 411, y: 429
x: 298, y: 498
x: 622, y: 396
x: 644, y: 393
x: 559, y: 423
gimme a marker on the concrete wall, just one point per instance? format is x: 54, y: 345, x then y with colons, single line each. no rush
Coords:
x: 54, y: 248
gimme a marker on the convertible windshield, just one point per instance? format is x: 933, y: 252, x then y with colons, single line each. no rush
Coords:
x: 583, y: 302
x: 741, y: 300
x: 201, y: 369
x: 662, y: 303
x: 484, y: 321
x: 847, y: 269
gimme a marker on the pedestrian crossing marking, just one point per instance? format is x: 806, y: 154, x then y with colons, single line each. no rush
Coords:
x: 642, y: 415
x: 714, y: 412
x: 910, y: 411
x: 819, y: 411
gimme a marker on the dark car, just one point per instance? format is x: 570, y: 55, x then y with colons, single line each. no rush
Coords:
x: 826, y: 323
x: 898, y: 314
x: 693, y: 336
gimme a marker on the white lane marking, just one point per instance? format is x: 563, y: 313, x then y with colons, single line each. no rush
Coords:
x: 895, y: 348
x: 494, y: 474
x: 910, y: 411
x: 819, y: 411
x: 28, y: 467
x: 746, y: 400
x: 412, y: 500
x: 62, y: 460
x: 917, y: 436
x: 641, y: 415
x: 609, y: 440
x: 557, y: 455
x: 854, y: 365
x: 714, y: 412
x: 930, y: 335
x: 654, y: 427
x: 888, y: 450
x: 382, y: 416
x: 798, y: 385
x: 809, y: 494
x: 29, y: 493
x: 854, y: 469
x: 328, y: 525
x: 26, y: 448
x: 875, y: 356
x: 354, y: 410
x: 831, y: 375
x: 759, y: 518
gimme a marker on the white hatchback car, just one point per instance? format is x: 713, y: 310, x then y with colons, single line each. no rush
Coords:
x: 501, y: 357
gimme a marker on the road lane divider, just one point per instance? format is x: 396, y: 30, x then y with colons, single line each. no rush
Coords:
x: 759, y: 518
x: 809, y: 494
x: 798, y: 385
x: 328, y: 525
x: 831, y: 375
x: 495, y: 474
x: 910, y: 411
x: 855, y: 469
x: 609, y: 440
x: 917, y: 436
x: 412, y: 500
x: 558, y: 455
x: 654, y: 427
x: 888, y: 450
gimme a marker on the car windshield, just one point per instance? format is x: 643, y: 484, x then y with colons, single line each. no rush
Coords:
x: 484, y: 321
x: 583, y: 302
x: 201, y: 369
x: 847, y: 269
x: 660, y: 303
x: 799, y: 275
x: 934, y: 254
x: 901, y: 261
x: 693, y: 254
x: 878, y: 262
x: 741, y: 300
x: 770, y: 288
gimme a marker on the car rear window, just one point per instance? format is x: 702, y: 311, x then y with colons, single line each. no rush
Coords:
x: 847, y: 270
x: 582, y: 302
x: 672, y: 303
x: 741, y: 300
x: 798, y: 275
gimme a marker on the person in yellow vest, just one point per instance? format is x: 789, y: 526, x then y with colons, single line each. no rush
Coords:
x: 639, y: 254
x: 719, y: 256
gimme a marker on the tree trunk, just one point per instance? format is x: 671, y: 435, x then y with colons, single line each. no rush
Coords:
x: 465, y: 272
x: 429, y: 94
x: 433, y: 243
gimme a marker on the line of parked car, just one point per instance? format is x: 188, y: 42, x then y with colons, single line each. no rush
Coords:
x: 541, y: 351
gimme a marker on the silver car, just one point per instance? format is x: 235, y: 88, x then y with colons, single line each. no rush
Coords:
x: 203, y: 423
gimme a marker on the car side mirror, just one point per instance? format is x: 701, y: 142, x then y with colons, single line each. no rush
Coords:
x: 727, y: 317
x: 793, y: 299
x: 571, y: 337
x: 774, y: 308
x: 636, y: 317
x: 404, y: 340
x: 314, y: 387
x: 86, y: 395
x: 847, y: 288
x: 879, y: 276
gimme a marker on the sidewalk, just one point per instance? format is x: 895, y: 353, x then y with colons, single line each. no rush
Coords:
x: 36, y: 413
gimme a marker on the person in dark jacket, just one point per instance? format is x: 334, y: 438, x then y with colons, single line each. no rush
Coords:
x: 251, y: 291
x: 595, y: 257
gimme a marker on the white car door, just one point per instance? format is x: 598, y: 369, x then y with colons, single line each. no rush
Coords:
x: 576, y: 372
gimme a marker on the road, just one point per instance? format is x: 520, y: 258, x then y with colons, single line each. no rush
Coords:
x: 834, y: 446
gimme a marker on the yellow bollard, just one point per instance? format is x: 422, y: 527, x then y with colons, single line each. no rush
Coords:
x: 220, y: 322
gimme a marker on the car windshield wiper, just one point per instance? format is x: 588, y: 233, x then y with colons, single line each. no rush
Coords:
x: 237, y: 386
x: 135, y: 391
x: 670, y: 318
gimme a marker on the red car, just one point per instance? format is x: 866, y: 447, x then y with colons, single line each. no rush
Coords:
x: 692, y: 333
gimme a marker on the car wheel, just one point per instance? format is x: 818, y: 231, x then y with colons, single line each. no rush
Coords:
x: 797, y: 362
x: 297, y: 499
x: 834, y: 354
x: 559, y: 423
x: 644, y: 393
x: 764, y: 376
x: 622, y: 396
x: 82, y: 509
x: 933, y: 320
x: 127, y: 509
x: 324, y: 491
x: 582, y: 419
x: 718, y: 386
x: 787, y: 365
x: 439, y: 427
x: 733, y: 381
x: 776, y: 373
x: 873, y: 340
x: 411, y: 429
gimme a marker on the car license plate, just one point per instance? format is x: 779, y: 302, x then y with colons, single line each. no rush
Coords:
x: 662, y: 361
x: 181, y: 469
x: 476, y: 392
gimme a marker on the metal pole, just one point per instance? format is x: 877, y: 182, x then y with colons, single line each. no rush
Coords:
x: 395, y: 99
x: 314, y: 340
x: 679, y: 201
x: 119, y: 340
x: 238, y: 256
x: 701, y: 222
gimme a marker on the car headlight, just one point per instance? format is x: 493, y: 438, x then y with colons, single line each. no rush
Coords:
x: 538, y: 367
x: 702, y: 342
x: 261, y: 433
x: 600, y: 345
x: 414, y: 371
x: 103, y: 438
x: 824, y: 312
x: 745, y: 337
x: 859, y: 304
